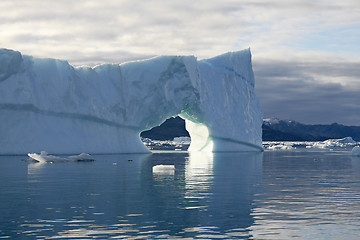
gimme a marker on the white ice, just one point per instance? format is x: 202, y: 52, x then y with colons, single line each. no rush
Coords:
x: 163, y: 169
x: 44, y: 157
x: 282, y: 146
x: 49, y: 104
x: 331, y: 143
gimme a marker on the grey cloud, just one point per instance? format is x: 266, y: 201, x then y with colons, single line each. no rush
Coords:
x: 291, y: 90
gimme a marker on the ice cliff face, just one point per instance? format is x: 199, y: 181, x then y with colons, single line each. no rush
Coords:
x: 47, y: 104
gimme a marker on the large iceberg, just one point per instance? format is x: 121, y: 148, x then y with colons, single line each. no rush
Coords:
x: 49, y: 104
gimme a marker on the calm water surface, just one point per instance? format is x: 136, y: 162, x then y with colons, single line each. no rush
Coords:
x: 170, y: 195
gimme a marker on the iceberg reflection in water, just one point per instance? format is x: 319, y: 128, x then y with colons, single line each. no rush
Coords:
x: 270, y: 195
x: 112, y: 197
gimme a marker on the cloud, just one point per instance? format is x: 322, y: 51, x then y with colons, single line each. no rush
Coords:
x: 154, y: 27
x: 309, y: 92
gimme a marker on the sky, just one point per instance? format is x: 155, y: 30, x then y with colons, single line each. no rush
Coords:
x: 305, y: 53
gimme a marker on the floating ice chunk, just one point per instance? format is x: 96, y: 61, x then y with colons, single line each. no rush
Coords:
x: 356, y: 151
x: 281, y: 146
x: 43, y: 157
x: 331, y: 143
x: 346, y: 140
x: 163, y: 169
x: 320, y: 145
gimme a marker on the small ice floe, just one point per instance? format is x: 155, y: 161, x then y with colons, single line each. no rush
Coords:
x: 331, y: 143
x: 164, y: 169
x: 44, y: 157
x: 279, y: 145
x: 356, y: 151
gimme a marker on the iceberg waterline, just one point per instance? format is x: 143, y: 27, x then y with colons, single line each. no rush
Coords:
x: 49, y: 104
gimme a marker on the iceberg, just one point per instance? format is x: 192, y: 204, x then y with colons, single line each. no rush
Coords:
x: 332, y: 143
x: 282, y: 146
x: 44, y: 157
x: 50, y: 104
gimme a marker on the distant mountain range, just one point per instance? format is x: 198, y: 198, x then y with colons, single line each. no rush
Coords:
x: 273, y: 130
x: 173, y: 127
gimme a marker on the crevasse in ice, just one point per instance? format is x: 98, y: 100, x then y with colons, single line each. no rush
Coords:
x: 49, y: 104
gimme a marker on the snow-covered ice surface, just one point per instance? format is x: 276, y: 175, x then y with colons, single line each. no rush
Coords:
x: 44, y: 157
x: 49, y: 104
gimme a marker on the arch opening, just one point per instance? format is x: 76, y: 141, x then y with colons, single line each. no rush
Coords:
x: 178, y: 133
x: 170, y: 135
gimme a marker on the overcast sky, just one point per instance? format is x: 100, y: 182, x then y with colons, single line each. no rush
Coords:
x: 306, y: 53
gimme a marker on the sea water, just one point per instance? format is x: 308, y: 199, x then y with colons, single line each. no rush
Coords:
x: 304, y: 194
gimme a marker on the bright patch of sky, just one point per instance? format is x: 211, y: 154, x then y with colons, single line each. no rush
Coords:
x: 338, y: 40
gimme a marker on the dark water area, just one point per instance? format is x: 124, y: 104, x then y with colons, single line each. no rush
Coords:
x: 181, y: 195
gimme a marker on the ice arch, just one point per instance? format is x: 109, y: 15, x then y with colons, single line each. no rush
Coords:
x: 48, y: 104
